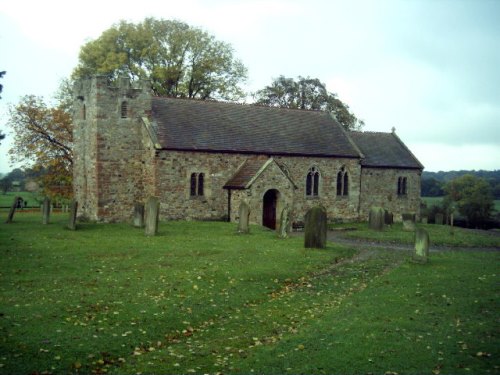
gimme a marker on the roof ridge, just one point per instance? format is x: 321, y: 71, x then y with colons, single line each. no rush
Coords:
x: 223, y: 102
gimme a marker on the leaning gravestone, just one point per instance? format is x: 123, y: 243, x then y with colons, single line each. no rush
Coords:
x: 152, y: 212
x: 244, y: 213
x: 284, y: 223
x: 376, y: 218
x: 388, y: 218
x: 421, y: 246
x: 408, y: 222
x: 438, y: 219
x: 315, y: 228
x: 73, y: 208
x: 46, y: 210
x: 139, y: 215
x: 12, y: 210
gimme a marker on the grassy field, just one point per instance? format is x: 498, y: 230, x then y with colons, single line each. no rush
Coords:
x: 199, y: 298
x: 7, y: 198
x: 439, y: 235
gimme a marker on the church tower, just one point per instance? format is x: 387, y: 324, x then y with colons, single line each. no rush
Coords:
x: 109, y: 147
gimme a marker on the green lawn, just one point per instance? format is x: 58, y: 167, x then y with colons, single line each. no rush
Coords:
x: 199, y: 298
x: 441, y: 235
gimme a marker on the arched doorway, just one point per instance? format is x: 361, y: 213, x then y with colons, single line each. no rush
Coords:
x: 270, y: 203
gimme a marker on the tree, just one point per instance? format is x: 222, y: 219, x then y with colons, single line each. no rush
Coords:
x: 43, y: 141
x: 472, y: 196
x: 2, y: 136
x: 180, y: 61
x: 307, y: 93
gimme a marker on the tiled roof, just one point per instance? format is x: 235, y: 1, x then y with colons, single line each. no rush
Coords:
x: 384, y: 150
x: 196, y: 125
x: 245, y: 173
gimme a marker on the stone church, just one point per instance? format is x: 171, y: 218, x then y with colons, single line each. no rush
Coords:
x: 202, y: 158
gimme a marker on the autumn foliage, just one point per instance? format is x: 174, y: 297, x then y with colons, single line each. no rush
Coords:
x: 43, y: 141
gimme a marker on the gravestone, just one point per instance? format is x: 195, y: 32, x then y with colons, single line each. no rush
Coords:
x: 438, y: 219
x: 376, y: 218
x: 244, y: 214
x: 73, y: 208
x: 451, y: 224
x: 315, y: 228
x: 388, y: 218
x: 46, y: 210
x: 284, y: 223
x: 408, y: 222
x: 424, y: 220
x: 421, y: 254
x: 152, y: 213
x: 138, y: 215
x: 12, y: 210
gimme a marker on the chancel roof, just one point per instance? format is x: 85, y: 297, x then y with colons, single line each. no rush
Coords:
x: 384, y: 150
x: 196, y: 125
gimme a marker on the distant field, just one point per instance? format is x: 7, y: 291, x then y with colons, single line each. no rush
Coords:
x: 7, y: 199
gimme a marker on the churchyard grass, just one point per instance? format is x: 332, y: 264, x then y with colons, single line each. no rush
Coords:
x: 199, y: 298
x: 7, y: 199
x: 440, y: 235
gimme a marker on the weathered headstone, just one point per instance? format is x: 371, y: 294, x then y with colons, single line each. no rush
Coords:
x: 73, y: 208
x: 244, y: 218
x: 12, y: 210
x: 315, y: 228
x: 152, y: 213
x: 46, y: 210
x: 451, y: 224
x: 138, y: 215
x: 408, y: 222
x: 376, y: 218
x: 424, y: 220
x: 284, y: 228
x: 438, y: 219
x: 388, y: 218
x: 421, y: 254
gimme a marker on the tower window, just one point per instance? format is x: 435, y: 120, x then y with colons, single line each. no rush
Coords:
x: 124, y: 109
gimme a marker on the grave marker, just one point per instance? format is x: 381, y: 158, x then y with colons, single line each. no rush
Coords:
x: 152, y: 213
x: 244, y: 218
x: 421, y: 254
x: 315, y: 228
x: 73, y: 208
x: 46, y: 210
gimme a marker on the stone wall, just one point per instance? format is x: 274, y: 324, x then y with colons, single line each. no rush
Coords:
x: 379, y: 187
x: 174, y: 168
x: 110, y: 157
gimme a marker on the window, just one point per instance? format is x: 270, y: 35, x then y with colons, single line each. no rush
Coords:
x: 402, y: 186
x: 342, y: 182
x: 197, y: 184
x: 84, y: 112
x: 124, y: 109
x: 312, y: 182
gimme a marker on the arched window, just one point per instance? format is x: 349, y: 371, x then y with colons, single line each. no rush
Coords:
x: 124, y: 109
x: 402, y: 185
x: 312, y: 182
x: 197, y: 185
x: 84, y: 112
x: 342, y: 182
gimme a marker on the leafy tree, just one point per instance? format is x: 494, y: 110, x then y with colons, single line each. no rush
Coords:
x: 472, y: 196
x: 431, y: 188
x: 5, y: 184
x: 2, y: 136
x: 1, y: 86
x: 180, y: 61
x: 43, y: 140
x: 307, y: 93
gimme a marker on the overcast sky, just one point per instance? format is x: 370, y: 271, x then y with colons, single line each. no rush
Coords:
x: 431, y: 68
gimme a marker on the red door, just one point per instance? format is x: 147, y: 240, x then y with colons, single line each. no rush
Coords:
x: 269, y: 209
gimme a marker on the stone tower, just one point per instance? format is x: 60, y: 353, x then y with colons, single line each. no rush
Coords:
x: 110, y: 147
